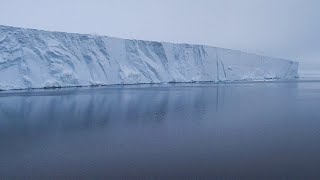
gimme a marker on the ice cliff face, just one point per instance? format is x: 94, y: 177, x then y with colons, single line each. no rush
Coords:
x: 40, y: 59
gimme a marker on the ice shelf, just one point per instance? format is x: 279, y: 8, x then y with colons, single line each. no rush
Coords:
x: 41, y: 59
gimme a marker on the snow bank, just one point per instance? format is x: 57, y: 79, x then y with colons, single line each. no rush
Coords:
x: 40, y: 59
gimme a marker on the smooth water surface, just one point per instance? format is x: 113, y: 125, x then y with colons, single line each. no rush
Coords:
x: 246, y: 130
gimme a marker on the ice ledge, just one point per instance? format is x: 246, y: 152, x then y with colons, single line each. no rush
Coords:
x: 40, y: 59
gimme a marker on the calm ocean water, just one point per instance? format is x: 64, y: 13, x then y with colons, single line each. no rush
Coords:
x: 236, y: 130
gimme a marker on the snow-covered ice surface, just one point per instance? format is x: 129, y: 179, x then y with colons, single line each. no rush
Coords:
x: 41, y: 59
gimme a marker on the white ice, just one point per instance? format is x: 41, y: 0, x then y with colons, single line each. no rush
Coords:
x: 40, y: 59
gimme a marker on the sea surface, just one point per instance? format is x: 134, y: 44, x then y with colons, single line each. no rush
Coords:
x: 267, y: 130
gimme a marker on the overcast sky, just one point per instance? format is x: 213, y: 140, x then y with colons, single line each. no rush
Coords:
x: 282, y: 28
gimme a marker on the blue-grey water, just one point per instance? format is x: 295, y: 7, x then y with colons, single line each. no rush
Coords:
x: 236, y: 130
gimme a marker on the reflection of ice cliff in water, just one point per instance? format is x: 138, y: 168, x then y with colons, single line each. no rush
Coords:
x: 65, y: 110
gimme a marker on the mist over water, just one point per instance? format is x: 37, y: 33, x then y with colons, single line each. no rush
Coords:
x: 221, y: 130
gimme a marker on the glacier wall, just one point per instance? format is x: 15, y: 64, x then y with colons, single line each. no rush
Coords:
x: 40, y: 59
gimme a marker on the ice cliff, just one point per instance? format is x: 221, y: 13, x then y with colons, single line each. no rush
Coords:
x: 40, y: 59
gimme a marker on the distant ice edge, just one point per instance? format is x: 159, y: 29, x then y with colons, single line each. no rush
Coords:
x: 40, y: 59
